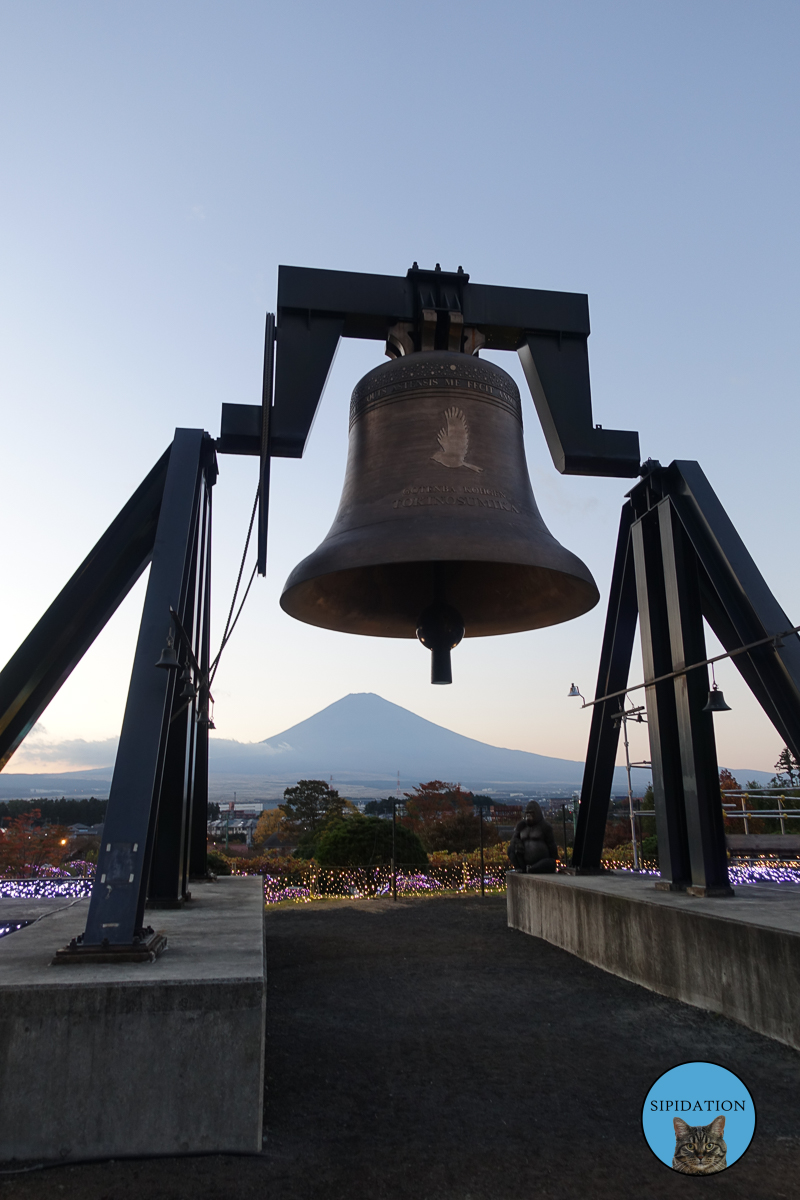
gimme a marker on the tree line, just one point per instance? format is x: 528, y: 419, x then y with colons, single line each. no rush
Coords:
x: 435, y: 816
x: 57, y: 812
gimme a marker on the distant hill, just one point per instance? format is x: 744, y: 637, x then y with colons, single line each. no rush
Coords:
x: 78, y: 784
x: 364, y: 739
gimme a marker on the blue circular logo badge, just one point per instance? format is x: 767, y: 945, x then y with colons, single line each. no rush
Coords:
x: 698, y: 1118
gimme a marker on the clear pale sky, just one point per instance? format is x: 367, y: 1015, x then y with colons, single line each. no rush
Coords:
x: 160, y: 160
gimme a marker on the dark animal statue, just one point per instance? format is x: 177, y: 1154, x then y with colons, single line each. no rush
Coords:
x: 532, y: 848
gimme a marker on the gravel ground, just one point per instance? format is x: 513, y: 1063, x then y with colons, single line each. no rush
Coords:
x: 423, y: 1050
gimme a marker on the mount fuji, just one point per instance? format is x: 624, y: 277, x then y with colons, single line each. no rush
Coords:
x: 365, y: 740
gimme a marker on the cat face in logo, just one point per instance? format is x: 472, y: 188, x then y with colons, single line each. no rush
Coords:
x: 699, y: 1149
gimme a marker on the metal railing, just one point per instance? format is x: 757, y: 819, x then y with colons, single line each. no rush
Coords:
x: 740, y: 810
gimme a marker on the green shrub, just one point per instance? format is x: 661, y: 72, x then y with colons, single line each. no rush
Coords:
x: 218, y: 863
x: 650, y: 847
x: 307, y: 845
x: 621, y: 853
x: 367, y: 841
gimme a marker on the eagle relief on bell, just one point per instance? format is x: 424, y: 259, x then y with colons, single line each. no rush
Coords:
x: 437, y: 535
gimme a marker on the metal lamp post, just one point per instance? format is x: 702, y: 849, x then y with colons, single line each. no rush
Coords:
x: 623, y: 716
x: 394, y: 855
x: 480, y: 805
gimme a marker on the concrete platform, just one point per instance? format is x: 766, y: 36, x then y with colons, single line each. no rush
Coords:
x: 141, y: 1058
x: 738, y: 956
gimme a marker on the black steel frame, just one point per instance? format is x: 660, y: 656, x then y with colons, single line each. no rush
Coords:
x: 679, y: 560
x: 154, y: 837
x: 549, y: 331
x: 154, y: 834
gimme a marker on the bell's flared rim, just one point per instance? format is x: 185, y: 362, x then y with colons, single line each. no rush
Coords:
x: 387, y: 599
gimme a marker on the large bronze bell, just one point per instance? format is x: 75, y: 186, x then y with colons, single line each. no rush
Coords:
x: 437, y: 534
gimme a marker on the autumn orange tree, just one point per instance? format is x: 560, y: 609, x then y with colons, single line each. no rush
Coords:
x: 727, y: 782
x: 435, y: 800
x: 443, y: 816
x: 26, y: 846
x: 270, y: 821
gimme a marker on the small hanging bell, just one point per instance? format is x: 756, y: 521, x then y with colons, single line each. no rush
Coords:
x: 188, y: 687
x: 169, y: 659
x: 716, y: 701
x: 205, y: 719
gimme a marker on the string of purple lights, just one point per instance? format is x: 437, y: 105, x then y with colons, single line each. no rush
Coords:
x: 369, y: 882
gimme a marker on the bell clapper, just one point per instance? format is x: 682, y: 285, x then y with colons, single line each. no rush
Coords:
x: 440, y: 630
x: 440, y: 627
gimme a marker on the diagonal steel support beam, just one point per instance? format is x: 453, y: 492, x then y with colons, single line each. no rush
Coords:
x: 57, y: 643
x: 737, y: 602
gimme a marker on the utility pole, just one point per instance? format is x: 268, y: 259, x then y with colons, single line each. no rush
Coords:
x: 231, y: 805
x: 394, y: 859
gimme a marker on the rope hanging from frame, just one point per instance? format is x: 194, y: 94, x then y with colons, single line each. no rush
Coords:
x: 230, y: 624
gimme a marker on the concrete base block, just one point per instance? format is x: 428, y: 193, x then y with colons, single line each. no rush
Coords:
x: 736, y: 956
x: 112, y: 1060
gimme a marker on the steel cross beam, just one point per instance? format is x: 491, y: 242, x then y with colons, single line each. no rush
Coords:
x: 679, y: 560
x: 549, y: 330
x: 423, y: 309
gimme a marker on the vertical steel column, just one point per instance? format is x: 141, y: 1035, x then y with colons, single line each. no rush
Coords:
x: 266, y: 414
x: 164, y: 888
x: 698, y: 752
x: 164, y: 885
x: 116, y: 910
x: 662, y: 717
x: 198, y: 834
x: 194, y: 730
x: 615, y: 661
